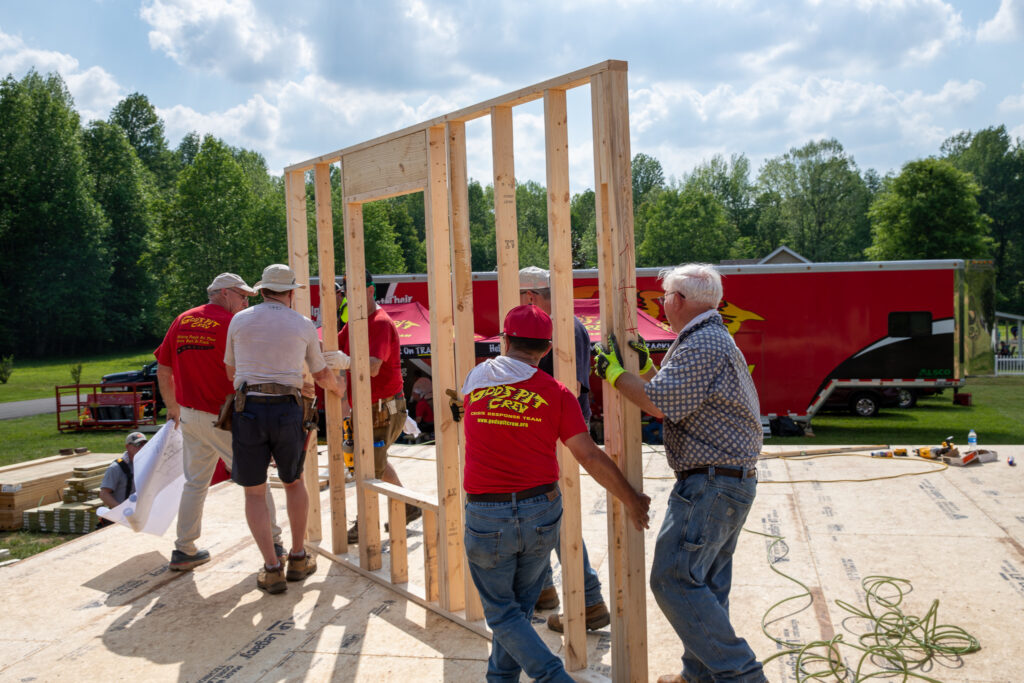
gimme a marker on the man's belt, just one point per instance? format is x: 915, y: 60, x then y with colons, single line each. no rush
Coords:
x: 550, y: 489
x: 733, y: 472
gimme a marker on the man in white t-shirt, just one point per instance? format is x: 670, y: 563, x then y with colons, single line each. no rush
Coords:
x: 267, y: 346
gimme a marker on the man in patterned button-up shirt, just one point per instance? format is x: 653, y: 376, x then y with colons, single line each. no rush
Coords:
x: 712, y: 425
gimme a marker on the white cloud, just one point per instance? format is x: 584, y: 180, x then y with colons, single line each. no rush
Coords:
x: 1012, y: 103
x: 1006, y: 25
x: 17, y: 58
x: 94, y: 90
x: 681, y: 125
x: 232, y: 37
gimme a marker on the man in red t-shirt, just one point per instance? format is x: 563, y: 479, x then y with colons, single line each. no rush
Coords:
x: 514, y: 418
x: 386, y: 390
x: 194, y: 384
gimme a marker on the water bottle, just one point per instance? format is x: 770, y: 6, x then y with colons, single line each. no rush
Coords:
x: 972, y: 439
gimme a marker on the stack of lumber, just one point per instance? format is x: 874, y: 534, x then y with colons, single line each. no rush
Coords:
x: 62, y: 518
x: 84, y: 485
x: 76, y: 514
x: 27, y: 485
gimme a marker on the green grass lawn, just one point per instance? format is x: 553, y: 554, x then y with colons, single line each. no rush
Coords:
x: 22, y: 544
x: 997, y: 415
x: 36, y: 378
x: 29, y: 438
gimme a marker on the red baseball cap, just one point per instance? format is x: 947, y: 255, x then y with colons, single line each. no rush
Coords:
x: 528, y: 321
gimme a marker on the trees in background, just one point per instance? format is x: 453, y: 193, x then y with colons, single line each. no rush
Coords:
x: 997, y: 165
x: 120, y: 184
x: 821, y: 199
x: 928, y: 211
x: 55, y: 279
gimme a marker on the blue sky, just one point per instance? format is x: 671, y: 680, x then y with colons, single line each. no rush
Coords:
x: 890, y: 79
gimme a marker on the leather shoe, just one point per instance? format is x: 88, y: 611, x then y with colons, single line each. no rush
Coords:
x: 671, y: 678
x: 597, y: 617
x: 548, y: 599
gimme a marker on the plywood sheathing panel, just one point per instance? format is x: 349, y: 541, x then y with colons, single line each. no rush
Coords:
x: 120, y: 608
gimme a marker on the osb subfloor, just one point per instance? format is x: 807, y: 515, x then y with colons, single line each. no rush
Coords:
x: 104, y: 607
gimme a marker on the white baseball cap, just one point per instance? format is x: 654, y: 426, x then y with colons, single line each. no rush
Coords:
x: 228, y: 281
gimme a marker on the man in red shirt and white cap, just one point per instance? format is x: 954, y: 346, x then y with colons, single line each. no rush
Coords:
x: 514, y: 418
x: 194, y: 383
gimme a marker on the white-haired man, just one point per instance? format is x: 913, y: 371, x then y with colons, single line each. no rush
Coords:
x: 194, y: 384
x: 713, y: 436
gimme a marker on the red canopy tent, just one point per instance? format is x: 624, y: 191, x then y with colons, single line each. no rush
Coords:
x: 413, y: 323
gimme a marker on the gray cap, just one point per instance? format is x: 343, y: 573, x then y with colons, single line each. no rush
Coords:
x: 278, y: 277
x: 532, y: 277
x: 135, y: 439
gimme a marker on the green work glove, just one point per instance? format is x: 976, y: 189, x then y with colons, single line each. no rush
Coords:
x: 606, y: 361
x: 640, y: 346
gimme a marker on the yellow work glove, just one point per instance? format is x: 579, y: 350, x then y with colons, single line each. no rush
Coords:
x: 607, y: 365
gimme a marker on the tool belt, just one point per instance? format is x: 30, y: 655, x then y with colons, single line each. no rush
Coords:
x: 279, y: 393
x: 384, y: 408
x: 550, y: 489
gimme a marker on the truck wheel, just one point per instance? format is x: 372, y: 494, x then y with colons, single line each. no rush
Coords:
x: 907, y: 399
x: 864, y: 405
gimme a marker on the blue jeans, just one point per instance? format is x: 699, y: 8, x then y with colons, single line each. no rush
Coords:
x: 591, y: 582
x: 692, y: 573
x: 508, y: 546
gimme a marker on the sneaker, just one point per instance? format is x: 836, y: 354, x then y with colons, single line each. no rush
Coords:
x: 282, y: 554
x: 180, y: 562
x: 300, y: 568
x: 548, y: 599
x: 272, y: 580
x: 597, y: 616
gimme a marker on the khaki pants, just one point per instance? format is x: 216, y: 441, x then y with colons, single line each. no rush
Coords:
x: 202, y: 445
x: 386, y: 427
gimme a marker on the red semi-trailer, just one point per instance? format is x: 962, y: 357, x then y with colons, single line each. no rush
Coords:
x: 809, y: 329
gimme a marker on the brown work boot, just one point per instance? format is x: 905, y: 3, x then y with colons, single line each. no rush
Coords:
x: 272, y: 580
x: 548, y: 599
x: 597, y: 616
x: 353, y: 533
x: 300, y: 568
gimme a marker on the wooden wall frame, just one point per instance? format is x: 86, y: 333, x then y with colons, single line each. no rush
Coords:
x: 431, y: 157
